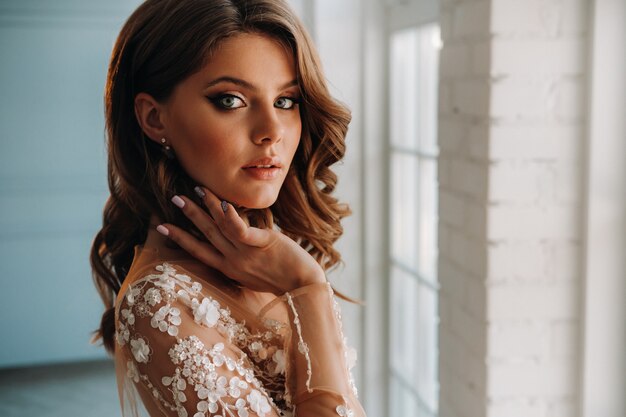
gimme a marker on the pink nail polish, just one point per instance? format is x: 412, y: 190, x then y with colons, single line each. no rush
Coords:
x: 178, y: 201
x: 163, y: 230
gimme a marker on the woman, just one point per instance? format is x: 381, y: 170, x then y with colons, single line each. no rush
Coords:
x: 220, y: 224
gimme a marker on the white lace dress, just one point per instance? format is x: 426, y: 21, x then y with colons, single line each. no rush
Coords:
x: 186, y: 348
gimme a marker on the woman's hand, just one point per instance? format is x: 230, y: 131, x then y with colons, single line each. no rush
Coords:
x: 261, y: 259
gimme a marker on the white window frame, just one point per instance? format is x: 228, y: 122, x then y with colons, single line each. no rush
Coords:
x: 379, y: 19
x: 604, y: 337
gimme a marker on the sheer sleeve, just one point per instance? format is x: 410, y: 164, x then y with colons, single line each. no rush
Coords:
x: 181, y: 352
x: 323, y: 384
x: 175, y: 344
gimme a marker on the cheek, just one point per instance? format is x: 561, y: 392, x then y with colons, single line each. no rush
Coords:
x: 295, y: 133
x: 210, y: 139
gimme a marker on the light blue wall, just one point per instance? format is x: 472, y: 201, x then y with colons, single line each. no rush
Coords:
x: 53, y: 62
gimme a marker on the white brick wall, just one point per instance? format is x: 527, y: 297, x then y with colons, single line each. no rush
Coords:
x: 511, y: 125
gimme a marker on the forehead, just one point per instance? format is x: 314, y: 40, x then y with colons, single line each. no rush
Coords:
x: 256, y: 58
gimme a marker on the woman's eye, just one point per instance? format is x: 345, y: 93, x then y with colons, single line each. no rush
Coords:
x: 286, y: 103
x: 228, y: 101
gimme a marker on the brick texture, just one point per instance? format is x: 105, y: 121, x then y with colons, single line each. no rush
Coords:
x: 512, y: 102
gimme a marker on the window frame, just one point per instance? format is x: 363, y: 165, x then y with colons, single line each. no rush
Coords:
x: 603, y: 377
x: 379, y: 18
x: 400, y: 16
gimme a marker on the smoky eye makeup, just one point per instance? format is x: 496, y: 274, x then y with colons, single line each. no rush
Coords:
x: 287, y: 102
x: 226, y: 101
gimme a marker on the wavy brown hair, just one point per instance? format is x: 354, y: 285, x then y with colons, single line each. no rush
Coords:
x: 162, y: 43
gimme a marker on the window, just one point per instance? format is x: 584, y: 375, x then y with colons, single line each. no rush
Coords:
x: 413, y: 80
x: 604, y: 336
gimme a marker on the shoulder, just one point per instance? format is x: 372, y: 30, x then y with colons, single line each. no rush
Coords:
x: 164, y: 290
x: 169, y: 330
x: 165, y: 296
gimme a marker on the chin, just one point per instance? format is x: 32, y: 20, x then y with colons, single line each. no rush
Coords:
x: 257, y: 201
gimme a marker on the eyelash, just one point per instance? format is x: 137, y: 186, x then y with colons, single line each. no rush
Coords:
x: 217, y: 99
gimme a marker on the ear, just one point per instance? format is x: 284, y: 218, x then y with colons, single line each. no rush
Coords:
x: 149, y: 113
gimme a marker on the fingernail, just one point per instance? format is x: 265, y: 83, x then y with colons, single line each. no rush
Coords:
x: 178, y: 201
x: 199, y: 191
x: 224, y: 206
x: 163, y: 230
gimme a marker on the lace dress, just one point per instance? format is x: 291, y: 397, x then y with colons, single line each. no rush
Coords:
x: 185, y: 347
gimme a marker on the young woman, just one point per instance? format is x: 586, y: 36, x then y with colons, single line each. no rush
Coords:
x: 220, y: 225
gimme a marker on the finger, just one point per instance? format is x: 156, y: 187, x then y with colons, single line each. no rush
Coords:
x: 204, y: 223
x: 203, y: 251
x: 234, y: 227
x: 239, y: 231
x: 217, y: 208
x: 212, y: 203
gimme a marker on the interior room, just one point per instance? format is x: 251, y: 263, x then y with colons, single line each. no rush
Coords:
x: 485, y: 168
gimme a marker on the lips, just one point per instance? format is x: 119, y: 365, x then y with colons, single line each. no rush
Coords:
x: 267, y: 168
x: 267, y: 162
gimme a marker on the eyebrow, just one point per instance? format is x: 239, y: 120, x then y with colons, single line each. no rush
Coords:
x: 245, y: 84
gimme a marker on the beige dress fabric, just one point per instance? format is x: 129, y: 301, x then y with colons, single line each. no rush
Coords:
x: 189, y: 345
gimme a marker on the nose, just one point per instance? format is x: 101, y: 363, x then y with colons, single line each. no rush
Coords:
x: 268, y: 128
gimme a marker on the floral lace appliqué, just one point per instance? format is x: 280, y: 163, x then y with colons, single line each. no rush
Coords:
x: 207, y: 312
x: 140, y: 349
x: 167, y: 319
x: 199, y: 370
x: 344, y: 411
x: 152, y: 297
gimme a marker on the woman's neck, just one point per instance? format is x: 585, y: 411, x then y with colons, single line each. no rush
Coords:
x: 155, y: 239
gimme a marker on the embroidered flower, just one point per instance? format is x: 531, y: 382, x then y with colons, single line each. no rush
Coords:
x: 128, y: 316
x: 131, y: 371
x: 166, y: 319
x: 132, y: 294
x: 206, y: 313
x: 219, y: 390
x: 166, y: 268
x: 122, y: 335
x: 166, y: 282
x: 240, y: 405
x: 143, y: 310
x: 196, y: 287
x: 140, y: 349
x: 204, y: 406
x: 183, y: 278
x: 183, y: 296
x: 198, y: 366
x: 180, y: 383
x: 235, y: 386
x: 166, y: 279
x: 152, y: 296
x: 344, y: 411
x: 258, y: 403
x: 178, y: 386
x: 280, y: 361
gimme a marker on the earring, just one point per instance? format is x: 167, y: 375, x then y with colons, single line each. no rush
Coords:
x: 167, y: 149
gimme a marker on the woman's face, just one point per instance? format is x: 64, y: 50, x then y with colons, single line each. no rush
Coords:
x: 235, y: 125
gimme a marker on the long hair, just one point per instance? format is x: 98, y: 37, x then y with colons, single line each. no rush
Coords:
x: 162, y: 43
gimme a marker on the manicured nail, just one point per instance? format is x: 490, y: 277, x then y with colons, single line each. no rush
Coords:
x: 163, y: 230
x: 199, y: 191
x: 178, y: 201
x: 224, y: 206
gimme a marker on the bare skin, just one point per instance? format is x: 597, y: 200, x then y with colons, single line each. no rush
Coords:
x: 240, y: 108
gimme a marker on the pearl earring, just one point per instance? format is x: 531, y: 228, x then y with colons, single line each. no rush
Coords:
x: 167, y: 149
